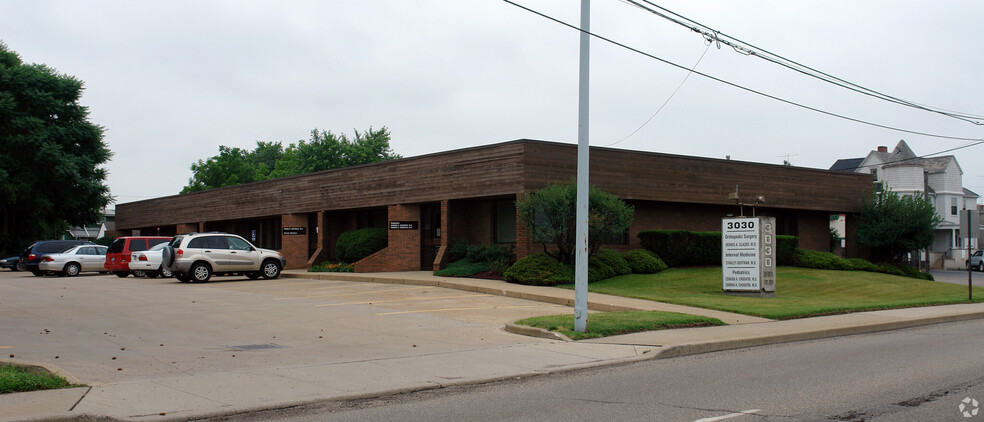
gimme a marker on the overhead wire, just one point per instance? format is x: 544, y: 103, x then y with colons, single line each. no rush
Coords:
x: 734, y: 85
x: 749, y: 49
x: 691, y: 72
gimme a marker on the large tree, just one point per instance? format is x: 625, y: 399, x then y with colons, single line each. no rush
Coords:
x: 893, y: 225
x: 550, y: 213
x: 324, y: 150
x: 50, y: 154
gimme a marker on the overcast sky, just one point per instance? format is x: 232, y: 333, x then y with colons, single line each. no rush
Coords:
x: 172, y: 80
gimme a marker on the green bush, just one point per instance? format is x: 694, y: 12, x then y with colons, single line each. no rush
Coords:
x: 357, y: 244
x: 332, y: 267
x: 539, y: 270
x: 828, y: 261
x: 615, y: 261
x: 463, y: 268
x: 681, y: 248
x: 642, y: 261
x: 785, y: 248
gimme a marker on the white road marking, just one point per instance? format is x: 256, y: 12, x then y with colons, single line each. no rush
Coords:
x: 729, y: 416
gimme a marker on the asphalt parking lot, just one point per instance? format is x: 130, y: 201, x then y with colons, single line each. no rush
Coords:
x: 104, y: 329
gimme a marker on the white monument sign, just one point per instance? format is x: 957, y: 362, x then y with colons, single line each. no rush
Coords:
x: 748, y: 260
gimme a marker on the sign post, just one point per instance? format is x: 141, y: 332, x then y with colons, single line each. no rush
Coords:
x: 970, y: 223
x: 748, y: 256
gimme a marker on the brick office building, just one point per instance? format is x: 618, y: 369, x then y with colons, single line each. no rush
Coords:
x: 430, y: 201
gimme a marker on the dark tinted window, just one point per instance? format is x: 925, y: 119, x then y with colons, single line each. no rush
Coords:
x: 137, y: 245
x: 155, y: 242
x: 218, y: 242
x: 117, y: 246
x: 51, y: 247
x: 198, y: 243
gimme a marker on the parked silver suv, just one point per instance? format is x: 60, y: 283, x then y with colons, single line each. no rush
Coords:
x: 197, y: 256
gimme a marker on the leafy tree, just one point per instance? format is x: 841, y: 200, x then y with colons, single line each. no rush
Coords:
x: 893, y: 225
x: 270, y: 160
x: 50, y: 154
x: 550, y: 215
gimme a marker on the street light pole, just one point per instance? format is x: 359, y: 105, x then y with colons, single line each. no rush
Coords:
x: 581, y: 233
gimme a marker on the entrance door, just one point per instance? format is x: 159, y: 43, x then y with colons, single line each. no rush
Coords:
x: 430, y: 234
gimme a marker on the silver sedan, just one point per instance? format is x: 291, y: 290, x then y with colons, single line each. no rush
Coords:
x: 75, y: 260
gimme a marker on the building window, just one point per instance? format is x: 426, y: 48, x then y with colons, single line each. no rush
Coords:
x: 505, y: 221
x: 953, y: 206
x: 874, y: 172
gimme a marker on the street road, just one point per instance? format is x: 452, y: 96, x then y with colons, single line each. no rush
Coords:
x: 921, y: 374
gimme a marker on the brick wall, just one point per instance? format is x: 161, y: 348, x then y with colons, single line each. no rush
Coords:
x: 403, y: 250
x: 321, y: 253
x: 294, y: 246
x: 188, y: 228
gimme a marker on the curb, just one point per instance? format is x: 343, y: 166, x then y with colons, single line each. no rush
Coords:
x: 535, y: 332
x: 708, y: 347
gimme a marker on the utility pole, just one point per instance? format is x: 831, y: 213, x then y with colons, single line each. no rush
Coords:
x: 581, y: 233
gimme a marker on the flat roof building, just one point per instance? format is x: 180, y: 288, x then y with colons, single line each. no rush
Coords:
x: 469, y: 195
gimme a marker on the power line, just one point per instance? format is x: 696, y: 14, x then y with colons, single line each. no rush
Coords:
x: 691, y: 72
x: 732, y: 84
x: 904, y: 160
x: 749, y: 49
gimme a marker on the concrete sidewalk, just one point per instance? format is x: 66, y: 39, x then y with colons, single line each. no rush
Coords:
x: 197, y: 395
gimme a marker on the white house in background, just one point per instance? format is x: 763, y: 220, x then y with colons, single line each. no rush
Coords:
x: 94, y: 231
x: 940, y: 179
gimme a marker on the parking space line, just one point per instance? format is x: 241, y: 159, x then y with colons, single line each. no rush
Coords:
x: 6, y: 347
x: 729, y: 416
x: 373, y: 302
x: 470, y: 309
x: 354, y: 294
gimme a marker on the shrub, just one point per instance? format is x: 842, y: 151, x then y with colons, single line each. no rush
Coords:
x: 357, y: 244
x: 615, y: 261
x: 680, y: 248
x: 463, y: 268
x: 642, y: 261
x: 329, y: 267
x: 785, y: 248
x: 598, y: 270
x: 539, y: 270
x: 828, y: 261
x: 496, y: 258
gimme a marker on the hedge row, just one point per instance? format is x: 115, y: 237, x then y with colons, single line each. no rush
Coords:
x: 542, y: 270
x: 681, y: 248
x: 827, y: 261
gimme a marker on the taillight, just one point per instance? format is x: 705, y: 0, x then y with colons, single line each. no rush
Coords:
x: 142, y: 258
x: 31, y: 257
x: 47, y: 258
x: 178, y: 252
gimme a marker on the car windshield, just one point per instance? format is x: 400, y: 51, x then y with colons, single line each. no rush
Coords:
x: 117, y: 246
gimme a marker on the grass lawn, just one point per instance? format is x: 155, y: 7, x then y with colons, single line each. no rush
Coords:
x: 605, y: 324
x: 14, y: 379
x: 800, y: 292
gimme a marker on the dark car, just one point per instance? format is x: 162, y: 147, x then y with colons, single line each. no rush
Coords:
x: 30, y: 257
x: 10, y: 263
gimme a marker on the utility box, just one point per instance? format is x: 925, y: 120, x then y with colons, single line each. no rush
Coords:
x: 748, y: 256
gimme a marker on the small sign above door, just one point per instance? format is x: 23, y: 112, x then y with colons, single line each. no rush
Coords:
x: 295, y: 230
x: 404, y: 225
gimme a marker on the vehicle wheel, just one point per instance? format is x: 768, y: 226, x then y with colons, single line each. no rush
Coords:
x: 200, y: 272
x: 167, y: 256
x: 164, y: 272
x: 122, y: 274
x: 71, y: 269
x: 271, y: 269
x: 253, y: 275
x: 139, y: 273
x: 37, y: 273
x: 980, y: 267
x: 182, y: 277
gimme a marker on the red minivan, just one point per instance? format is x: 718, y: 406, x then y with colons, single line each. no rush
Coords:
x: 118, y: 255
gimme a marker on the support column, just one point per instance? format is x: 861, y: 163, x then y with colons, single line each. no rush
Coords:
x: 188, y: 228
x: 402, y: 252
x: 294, y: 244
x: 523, y: 245
x: 443, y: 258
x: 320, y: 254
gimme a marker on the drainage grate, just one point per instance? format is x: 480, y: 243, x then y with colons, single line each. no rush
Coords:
x: 246, y: 347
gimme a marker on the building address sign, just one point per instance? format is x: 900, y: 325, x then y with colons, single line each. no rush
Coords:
x: 404, y: 225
